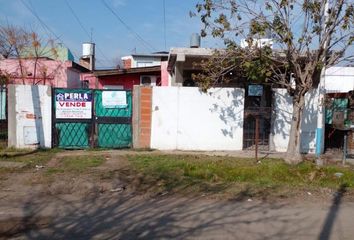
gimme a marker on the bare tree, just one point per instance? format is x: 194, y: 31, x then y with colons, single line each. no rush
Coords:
x: 307, y: 36
x: 24, y: 45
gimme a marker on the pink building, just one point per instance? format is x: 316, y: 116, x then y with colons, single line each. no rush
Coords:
x: 44, y: 71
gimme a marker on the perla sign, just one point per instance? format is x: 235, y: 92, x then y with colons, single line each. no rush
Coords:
x: 73, y: 105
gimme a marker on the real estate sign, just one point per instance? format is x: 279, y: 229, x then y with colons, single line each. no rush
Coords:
x: 73, y: 105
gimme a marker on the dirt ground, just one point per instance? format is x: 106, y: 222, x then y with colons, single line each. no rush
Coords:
x: 108, y: 202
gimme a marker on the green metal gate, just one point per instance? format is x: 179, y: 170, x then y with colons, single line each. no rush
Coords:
x: 113, y: 120
x: 84, y: 118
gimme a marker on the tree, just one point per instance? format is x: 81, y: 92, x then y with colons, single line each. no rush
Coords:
x: 21, y: 44
x: 307, y: 36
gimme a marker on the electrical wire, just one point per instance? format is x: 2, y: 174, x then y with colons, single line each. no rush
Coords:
x: 164, y: 22
x: 84, y: 29
x: 137, y: 36
x: 45, y: 27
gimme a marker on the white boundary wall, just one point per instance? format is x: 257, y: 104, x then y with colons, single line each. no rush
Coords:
x: 184, y: 118
x: 281, y: 117
x: 30, y: 116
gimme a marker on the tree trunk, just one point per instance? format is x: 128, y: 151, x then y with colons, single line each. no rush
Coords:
x: 293, y: 155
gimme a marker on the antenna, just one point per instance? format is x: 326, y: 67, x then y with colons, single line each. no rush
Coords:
x: 91, y: 34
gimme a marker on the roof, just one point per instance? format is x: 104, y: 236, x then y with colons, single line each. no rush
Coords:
x: 150, y: 55
x: 111, y: 72
x: 187, y: 53
x: 79, y: 67
x: 192, y: 51
x: 57, y: 53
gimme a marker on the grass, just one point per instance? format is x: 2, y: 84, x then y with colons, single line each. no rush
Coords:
x: 176, y: 171
x: 75, y: 164
x: 29, y: 157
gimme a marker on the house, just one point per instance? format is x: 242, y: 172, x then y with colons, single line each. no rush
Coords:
x: 57, y: 70
x: 339, y: 117
x: 274, y: 104
x: 138, y: 69
x: 122, y: 78
x: 181, y: 64
x: 144, y: 60
x: 44, y: 71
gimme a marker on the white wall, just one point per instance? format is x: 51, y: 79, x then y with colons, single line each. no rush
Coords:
x: 281, y: 120
x: 143, y: 61
x: 339, y: 79
x: 30, y: 116
x: 183, y: 118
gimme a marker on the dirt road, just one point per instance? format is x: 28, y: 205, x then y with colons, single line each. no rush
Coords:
x: 95, y: 206
x: 120, y: 216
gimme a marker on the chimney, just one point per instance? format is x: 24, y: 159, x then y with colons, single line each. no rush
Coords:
x: 88, y: 56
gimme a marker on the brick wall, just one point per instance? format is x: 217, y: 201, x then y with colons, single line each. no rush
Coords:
x: 142, y: 104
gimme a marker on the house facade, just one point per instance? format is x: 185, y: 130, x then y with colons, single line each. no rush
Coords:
x: 144, y: 60
x: 43, y: 71
x: 122, y: 78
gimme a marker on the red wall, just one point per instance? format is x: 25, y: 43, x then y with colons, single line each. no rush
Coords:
x: 127, y: 80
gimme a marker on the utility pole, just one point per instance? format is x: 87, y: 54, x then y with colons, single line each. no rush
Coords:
x: 321, y: 93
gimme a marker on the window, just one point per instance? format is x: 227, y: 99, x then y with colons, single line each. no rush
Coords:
x: 85, y: 84
x: 144, y: 63
x: 148, y: 80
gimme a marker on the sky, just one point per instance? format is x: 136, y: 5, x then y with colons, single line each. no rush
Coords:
x: 135, y: 26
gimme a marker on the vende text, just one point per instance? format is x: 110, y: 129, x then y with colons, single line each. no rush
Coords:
x: 72, y: 104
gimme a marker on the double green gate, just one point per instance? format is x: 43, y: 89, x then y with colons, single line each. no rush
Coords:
x: 85, y: 118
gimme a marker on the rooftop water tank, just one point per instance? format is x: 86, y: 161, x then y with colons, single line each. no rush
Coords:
x: 195, y: 40
x: 88, y: 49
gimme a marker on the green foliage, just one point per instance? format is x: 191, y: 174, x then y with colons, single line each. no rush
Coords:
x: 299, y: 27
x: 188, y: 169
x: 81, y: 163
x: 30, y: 157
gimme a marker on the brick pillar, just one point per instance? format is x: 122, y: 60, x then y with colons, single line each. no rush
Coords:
x: 142, y: 111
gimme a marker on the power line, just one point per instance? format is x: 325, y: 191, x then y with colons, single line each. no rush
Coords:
x: 89, y: 35
x: 45, y: 27
x: 164, y: 22
x: 137, y: 36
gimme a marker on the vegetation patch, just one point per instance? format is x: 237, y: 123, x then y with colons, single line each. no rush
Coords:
x: 75, y: 164
x: 27, y: 156
x: 217, y: 174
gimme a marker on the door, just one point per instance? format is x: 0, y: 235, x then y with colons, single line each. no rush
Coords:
x: 113, y: 112
x: 72, y: 118
x: 258, y: 99
x: 92, y: 118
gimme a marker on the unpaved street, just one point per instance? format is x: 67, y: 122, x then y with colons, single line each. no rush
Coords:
x: 110, y: 202
x: 122, y: 216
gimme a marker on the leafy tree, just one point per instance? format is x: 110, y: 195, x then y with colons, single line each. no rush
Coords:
x: 307, y: 36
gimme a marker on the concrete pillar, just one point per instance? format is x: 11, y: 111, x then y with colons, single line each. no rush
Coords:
x: 178, y: 74
x: 11, y: 116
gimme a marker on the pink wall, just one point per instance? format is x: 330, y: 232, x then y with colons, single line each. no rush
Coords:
x: 164, y: 74
x: 93, y: 80
x: 48, y: 72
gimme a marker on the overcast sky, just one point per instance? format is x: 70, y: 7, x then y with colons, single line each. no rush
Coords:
x: 137, y: 26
